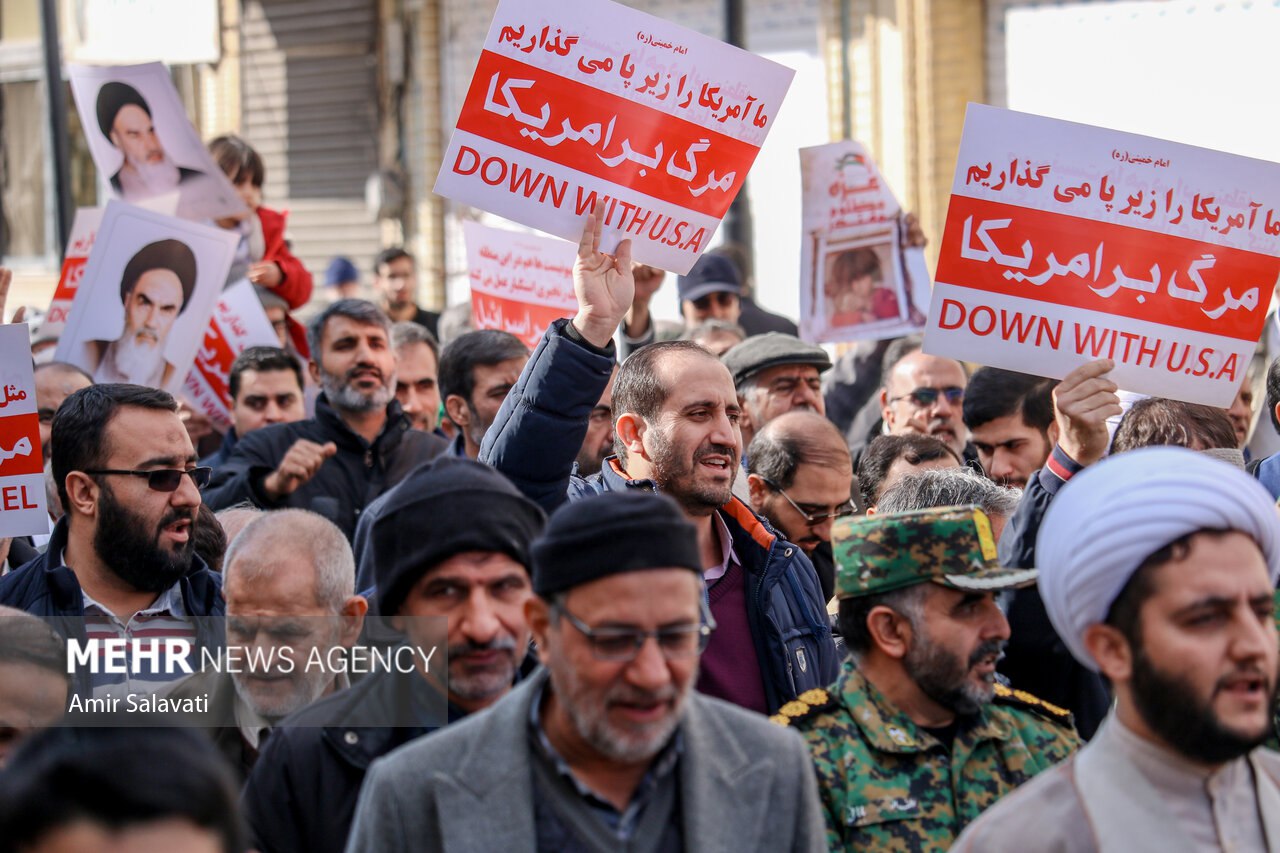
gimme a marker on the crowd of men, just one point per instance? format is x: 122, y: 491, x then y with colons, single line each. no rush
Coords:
x: 695, y: 586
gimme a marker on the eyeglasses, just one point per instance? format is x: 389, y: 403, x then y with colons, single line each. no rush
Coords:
x: 165, y: 479
x: 624, y: 644
x: 722, y: 298
x: 842, y: 511
x: 926, y: 397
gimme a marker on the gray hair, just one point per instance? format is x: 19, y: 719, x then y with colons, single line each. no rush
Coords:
x: 360, y: 310
x: 297, y: 531
x: 407, y: 333
x: 235, y: 518
x: 948, y: 487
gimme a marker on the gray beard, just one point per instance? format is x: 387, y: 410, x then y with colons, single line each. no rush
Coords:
x: 134, y: 362
x: 342, y: 396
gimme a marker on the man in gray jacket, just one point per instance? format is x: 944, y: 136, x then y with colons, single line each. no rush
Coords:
x: 608, y: 747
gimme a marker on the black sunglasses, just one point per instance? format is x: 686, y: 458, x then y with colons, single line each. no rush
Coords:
x: 165, y: 479
x: 925, y: 397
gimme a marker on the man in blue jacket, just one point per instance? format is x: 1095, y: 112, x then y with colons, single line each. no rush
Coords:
x: 121, y: 563
x: 676, y: 425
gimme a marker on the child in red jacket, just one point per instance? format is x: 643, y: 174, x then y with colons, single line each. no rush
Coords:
x: 263, y: 256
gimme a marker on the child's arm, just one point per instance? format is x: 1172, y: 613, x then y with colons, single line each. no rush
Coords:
x: 295, y: 286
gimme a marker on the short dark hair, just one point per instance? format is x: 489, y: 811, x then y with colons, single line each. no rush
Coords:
x: 776, y: 455
x: 387, y: 256
x: 851, y: 616
x: 483, y: 347
x: 262, y: 360
x: 1158, y: 421
x: 118, y: 777
x: 172, y: 255
x: 1125, y: 612
x: 994, y: 393
x: 638, y: 390
x: 1273, y: 392
x: 884, y: 450
x: 208, y: 539
x: 78, y: 434
x: 359, y: 310
x: 238, y: 160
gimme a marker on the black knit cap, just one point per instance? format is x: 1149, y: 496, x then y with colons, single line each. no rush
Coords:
x: 449, y: 507
x: 611, y: 534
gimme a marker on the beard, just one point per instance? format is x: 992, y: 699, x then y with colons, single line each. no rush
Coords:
x: 1182, y: 719
x: 588, y: 711
x: 680, y: 479
x: 123, y: 543
x: 305, y: 685
x: 157, y: 177
x: 944, y: 676
x: 137, y: 356
x: 342, y: 395
x: 475, y: 685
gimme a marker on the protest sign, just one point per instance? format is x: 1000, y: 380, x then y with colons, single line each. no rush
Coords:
x: 148, y: 290
x: 22, y: 501
x: 1065, y: 243
x: 520, y: 283
x: 588, y: 102
x: 857, y: 280
x: 83, y: 229
x: 238, y: 322
x: 144, y: 146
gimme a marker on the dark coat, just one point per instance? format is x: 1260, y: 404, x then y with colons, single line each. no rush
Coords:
x: 345, y: 484
x: 1036, y: 660
x: 302, y: 793
x: 46, y: 588
x: 534, y: 441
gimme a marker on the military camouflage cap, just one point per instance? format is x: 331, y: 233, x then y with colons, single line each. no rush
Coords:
x: 952, y: 546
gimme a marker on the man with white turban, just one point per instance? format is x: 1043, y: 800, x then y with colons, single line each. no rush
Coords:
x: 1157, y: 569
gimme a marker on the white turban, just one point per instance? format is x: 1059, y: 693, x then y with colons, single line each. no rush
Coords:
x: 1113, y: 515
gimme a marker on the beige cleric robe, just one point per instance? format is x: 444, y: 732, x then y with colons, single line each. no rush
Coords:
x: 1121, y: 794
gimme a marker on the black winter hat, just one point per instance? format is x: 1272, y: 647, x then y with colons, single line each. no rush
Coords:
x: 449, y: 507
x: 611, y: 534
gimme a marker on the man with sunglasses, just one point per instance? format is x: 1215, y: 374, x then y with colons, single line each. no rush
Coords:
x: 924, y: 394
x: 120, y: 563
x: 711, y: 290
x: 607, y: 746
x: 799, y: 474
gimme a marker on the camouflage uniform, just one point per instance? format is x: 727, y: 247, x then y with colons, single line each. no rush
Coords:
x: 886, y: 783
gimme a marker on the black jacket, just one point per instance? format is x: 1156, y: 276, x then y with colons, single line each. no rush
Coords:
x: 1036, y: 660
x: 46, y: 588
x: 345, y: 484
x: 302, y: 793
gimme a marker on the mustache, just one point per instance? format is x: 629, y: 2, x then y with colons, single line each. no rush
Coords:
x: 626, y: 694
x: 363, y: 367
x: 716, y: 450
x: 497, y: 644
x: 986, y: 649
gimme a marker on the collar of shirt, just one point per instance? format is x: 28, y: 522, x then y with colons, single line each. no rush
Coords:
x: 621, y: 823
x: 726, y: 547
x: 169, y: 603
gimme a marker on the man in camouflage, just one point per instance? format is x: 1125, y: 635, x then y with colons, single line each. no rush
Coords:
x: 917, y: 737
